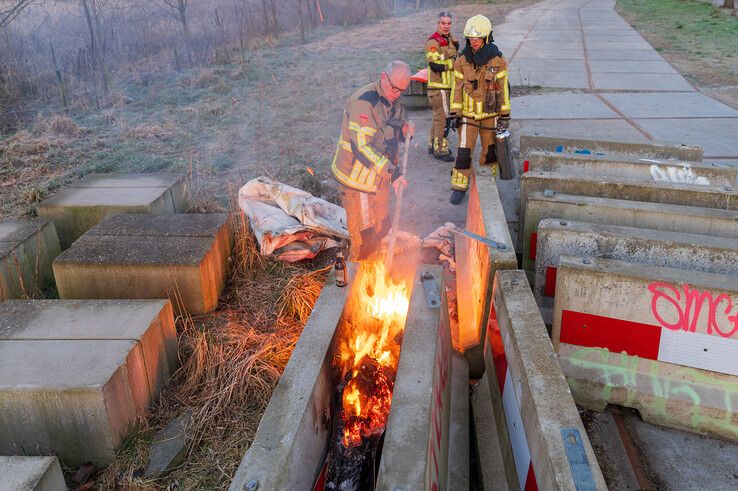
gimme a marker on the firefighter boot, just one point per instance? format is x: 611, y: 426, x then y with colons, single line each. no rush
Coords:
x: 441, y: 151
x: 491, y: 160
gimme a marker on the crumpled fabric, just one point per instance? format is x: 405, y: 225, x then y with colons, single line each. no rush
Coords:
x: 289, y: 223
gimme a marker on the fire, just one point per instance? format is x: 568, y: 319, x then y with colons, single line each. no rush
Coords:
x: 370, y: 350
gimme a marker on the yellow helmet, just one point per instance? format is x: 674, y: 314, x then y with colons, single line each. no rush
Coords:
x: 478, y: 27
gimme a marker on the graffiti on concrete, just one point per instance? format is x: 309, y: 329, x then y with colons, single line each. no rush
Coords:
x: 676, y: 312
x: 680, y: 175
x: 681, y: 397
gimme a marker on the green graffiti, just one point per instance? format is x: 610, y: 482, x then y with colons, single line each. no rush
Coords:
x: 684, y: 384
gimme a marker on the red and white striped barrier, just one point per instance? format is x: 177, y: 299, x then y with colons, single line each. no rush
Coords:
x: 537, y: 419
x: 661, y: 340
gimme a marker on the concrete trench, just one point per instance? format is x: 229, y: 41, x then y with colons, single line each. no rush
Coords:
x: 425, y: 443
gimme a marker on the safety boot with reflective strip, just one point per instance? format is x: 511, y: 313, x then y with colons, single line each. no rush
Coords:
x: 459, y: 181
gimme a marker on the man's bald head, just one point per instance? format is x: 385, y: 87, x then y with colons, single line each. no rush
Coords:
x: 395, y: 79
x: 399, y: 67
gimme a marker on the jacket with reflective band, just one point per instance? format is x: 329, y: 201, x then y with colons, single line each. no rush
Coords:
x: 367, y: 139
x: 475, y: 74
x: 442, y: 50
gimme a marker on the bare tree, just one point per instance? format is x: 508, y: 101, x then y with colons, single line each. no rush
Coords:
x: 242, y: 16
x: 93, y: 11
x: 178, y: 10
x: 11, y: 11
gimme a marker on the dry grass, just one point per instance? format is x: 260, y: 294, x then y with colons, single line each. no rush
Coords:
x: 231, y: 360
x: 58, y: 124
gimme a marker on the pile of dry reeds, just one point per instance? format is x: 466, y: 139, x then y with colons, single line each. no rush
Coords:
x: 231, y: 361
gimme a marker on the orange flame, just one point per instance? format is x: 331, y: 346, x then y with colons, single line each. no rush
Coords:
x: 375, y: 317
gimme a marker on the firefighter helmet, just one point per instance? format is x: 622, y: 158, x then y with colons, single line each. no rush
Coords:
x: 478, y: 27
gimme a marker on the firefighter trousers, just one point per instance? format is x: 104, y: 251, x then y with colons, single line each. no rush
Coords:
x: 368, y: 218
x: 469, y: 131
x: 439, y: 103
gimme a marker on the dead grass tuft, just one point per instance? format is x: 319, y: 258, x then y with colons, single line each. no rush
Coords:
x: 231, y: 360
x: 206, y: 78
x: 150, y: 131
x: 58, y: 124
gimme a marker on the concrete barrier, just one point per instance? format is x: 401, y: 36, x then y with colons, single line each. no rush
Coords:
x: 490, y: 467
x: 77, y: 374
x: 76, y: 208
x: 147, y: 256
x: 27, y: 248
x: 415, y: 452
x: 691, y: 252
x: 290, y: 445
x: 660, y: 340
x: 690, y: 153
x: 31, y: 474
x: 416, y: 97
x: 544, y: 444
x: 477, y: 263
x: 672, y: 218
x: 604, y: 187
x: 648, y: 169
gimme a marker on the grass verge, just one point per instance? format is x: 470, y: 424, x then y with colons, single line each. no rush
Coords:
x: 700, y: 40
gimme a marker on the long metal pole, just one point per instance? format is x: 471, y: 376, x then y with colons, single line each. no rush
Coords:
x: 396, y: 218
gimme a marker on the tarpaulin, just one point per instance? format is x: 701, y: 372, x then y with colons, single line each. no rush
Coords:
x: 290, y: 223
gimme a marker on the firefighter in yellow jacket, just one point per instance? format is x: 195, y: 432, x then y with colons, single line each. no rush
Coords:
x: 365, y: 163
x: 441, y: 50
x: 480, y: 101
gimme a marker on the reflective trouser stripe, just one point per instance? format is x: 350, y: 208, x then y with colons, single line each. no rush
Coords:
x: 458, y: 180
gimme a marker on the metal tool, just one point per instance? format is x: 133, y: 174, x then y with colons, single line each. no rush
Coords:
x: 432, y: 297
x: 398, y: 209
x: 504, y: 155
x: 484, y: 240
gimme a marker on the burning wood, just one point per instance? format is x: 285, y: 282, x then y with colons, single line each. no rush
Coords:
x: 364, y: 368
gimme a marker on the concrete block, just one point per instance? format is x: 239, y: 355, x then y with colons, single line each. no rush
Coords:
x: 648, y: 169
x: 658, y: 150
x: 31, y: 474
x: 669, y: 105
x: 477, y: 264
x: 561, y: 106
x: 77, y: 208
x: 541, y: 425
x: 671, y: 218
x: 659, y: 340
x: 416, y: 440
x: 596, y: 128
x: 169, y: 446
x: 718, y: 139
x: 77, y: 373
x: 690, y: 252
x: 176, y: 183
x: 290, y: 445
x: 147, y: 256
x: 725, y: 198
x: 27, y: 248
x: 416, y: 96
x: 640, y: 81
x: 490, y: 466
x: 458, y: 441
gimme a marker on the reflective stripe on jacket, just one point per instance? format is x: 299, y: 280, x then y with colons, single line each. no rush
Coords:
x: 443, y: 54
x: 367, y: 139
x: 470, y: 89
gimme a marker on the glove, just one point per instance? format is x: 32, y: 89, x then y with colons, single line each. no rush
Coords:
x: 502, y: 125
x: 455, y: 121
x: 437, y: 67
x: 396, y: 173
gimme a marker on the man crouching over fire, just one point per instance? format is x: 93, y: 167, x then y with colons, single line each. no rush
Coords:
x: 365, y: 164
